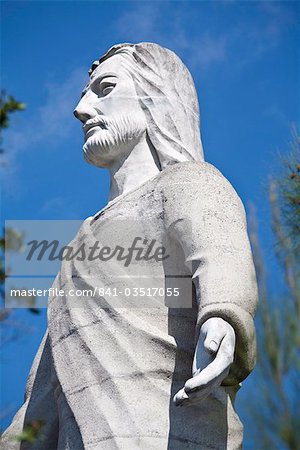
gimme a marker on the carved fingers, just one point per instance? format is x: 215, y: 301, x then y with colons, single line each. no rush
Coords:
x: 214, y: 355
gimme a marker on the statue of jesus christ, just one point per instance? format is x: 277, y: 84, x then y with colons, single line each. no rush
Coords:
x: 130, y: 372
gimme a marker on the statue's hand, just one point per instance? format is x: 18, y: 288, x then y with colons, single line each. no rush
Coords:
x: 213, y: 357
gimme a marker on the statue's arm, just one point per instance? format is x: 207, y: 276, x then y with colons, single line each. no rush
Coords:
x: 209, y: 222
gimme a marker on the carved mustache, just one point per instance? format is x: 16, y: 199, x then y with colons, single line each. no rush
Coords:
x: 98, y: 120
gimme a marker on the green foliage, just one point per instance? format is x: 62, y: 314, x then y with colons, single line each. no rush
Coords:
x: 286, y: 218
x: 32, y: 431
x: 276, y: 412
x: 8, y: 105
x: 13, y: 241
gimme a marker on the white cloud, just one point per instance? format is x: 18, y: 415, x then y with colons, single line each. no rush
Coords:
x: 61, y: 207
x: 141, y: 22
x: 206, y: 50
x: 172, y: 24
x: 274, y: 112
x: 167, y: 23
x: 52, y: 122
x: 55, y: 117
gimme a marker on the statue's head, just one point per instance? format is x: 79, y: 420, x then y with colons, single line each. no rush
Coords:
x: 139, y: 91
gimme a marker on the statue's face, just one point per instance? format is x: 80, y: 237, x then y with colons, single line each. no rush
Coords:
x: 113, y: 120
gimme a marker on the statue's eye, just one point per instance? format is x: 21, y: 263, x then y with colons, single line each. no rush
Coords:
x: 107, y: 84
x: 103, y: 86
x: 107, y: 88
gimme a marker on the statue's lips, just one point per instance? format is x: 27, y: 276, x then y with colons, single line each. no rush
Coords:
x: 94, y: 123
x: 92, y: 130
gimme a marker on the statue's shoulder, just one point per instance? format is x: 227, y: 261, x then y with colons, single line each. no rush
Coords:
x: 192, y: 172
x: 201, y: 179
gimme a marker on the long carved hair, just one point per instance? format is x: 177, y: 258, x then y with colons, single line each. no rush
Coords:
x: 167, y: 94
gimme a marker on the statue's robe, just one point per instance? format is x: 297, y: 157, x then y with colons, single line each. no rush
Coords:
x: 108, y: 367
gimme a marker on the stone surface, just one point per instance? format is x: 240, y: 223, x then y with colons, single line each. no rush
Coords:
x: 131, y: 370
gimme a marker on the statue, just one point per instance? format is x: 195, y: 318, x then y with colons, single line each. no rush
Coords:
x: 132, y: 370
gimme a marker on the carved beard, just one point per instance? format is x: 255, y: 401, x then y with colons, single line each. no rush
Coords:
x: 116, y: 136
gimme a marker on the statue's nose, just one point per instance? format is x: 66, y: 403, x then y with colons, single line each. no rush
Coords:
x: 84, y: 112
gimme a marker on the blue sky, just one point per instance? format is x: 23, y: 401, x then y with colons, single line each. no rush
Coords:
x: 244, y: 57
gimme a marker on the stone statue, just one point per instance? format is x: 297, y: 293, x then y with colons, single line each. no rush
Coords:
x: 131, y: 370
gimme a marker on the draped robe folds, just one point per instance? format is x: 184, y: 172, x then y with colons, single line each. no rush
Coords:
x: 108, y: 367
